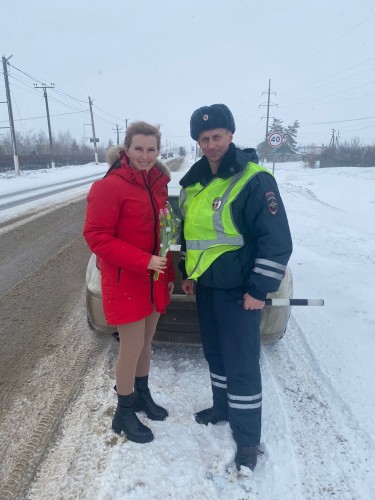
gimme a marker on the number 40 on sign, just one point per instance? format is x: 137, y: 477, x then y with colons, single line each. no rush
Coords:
x: 275, y: 140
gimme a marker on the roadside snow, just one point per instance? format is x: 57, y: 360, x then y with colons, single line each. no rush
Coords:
x: 41, y: 182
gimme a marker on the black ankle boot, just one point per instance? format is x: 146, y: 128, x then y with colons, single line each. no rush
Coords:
x: 211, y: 416
x: 127, y: 421
x: 143, y: 400
x: 247, y: 456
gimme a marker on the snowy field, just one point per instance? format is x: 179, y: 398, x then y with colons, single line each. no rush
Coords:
x: 318, y: 380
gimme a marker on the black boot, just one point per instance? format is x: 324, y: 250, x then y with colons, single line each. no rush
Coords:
x: 247, y: 456
x: 211, y: 416
x: 127, y: 421
x: 144, y: 402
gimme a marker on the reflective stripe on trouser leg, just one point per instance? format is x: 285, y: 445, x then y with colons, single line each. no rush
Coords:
x: 239, y: 335
x: 211, y: 346
x: 219, y: 392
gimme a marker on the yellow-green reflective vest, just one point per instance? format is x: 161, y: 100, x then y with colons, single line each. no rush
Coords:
x: 209, y: 229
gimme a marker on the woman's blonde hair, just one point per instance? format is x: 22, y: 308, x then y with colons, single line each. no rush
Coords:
x: 142, y: 128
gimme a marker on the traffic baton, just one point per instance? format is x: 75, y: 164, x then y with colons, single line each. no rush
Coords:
x: 290, y: 302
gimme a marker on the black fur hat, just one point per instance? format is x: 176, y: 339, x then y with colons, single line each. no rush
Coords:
x: 209, y: 117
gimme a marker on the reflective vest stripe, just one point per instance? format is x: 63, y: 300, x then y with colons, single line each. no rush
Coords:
x: 218, y: 215
x: 221, y: 240
x: 181, y: 201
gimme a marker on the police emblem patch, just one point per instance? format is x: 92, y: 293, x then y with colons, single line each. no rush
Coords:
x: 272, y: 204
x: 205, y: 117
x: 216, y: 203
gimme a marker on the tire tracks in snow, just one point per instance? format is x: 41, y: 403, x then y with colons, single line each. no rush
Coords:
x: 321, y: 425
x: 44, y: 352
x: 35, y: 445
x: 306, y: 432
x: 74, y: 460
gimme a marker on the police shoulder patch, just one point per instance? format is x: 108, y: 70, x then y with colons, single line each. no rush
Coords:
x: 272, y: 204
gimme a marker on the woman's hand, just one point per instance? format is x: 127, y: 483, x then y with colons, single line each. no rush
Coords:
x: 157, y: 264
x: 170, y: 287
x: 187, y: 286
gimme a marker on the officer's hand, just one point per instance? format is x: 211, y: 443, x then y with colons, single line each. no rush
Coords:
x: 187, y: 286
x: 250, y: 303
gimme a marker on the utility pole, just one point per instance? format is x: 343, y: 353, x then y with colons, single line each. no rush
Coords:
x: 45, y: 87
x: 332, y: 141
x: 268, y: 111
x: 118, y: 134
x: 10, y: 112
x: 93, y: 138
x: 126, y: 124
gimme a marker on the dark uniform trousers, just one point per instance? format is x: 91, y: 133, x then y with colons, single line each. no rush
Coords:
x: 231, y: 346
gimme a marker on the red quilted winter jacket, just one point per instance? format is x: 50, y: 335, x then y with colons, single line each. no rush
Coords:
x: 122, y: 229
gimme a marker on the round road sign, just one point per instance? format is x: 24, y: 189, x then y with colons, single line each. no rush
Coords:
x: 275, y: 140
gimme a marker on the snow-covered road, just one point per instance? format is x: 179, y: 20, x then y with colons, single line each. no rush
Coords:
x: 11, y: 200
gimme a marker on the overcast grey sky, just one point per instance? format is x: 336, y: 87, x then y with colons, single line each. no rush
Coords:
x: 160, y: 60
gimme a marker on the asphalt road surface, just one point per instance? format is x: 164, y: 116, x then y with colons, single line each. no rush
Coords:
x: 46, y: 345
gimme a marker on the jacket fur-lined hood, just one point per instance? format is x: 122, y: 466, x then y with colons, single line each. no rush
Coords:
x: 113, y: 155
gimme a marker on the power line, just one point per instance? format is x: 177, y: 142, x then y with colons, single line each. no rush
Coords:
x: 340, y: 100
x: 40, y: 81
x: 335, y: 94
x: 68, y: 105
x: 109, y: 114
x: 26, y: 74
x: 39, y: 117
x: 338, y: 121
x: 311, y: 86
x: 366, y: 19
x: 67, y: 95
x: 53, y: 96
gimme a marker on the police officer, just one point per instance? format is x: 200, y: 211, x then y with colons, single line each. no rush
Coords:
x: 236, y: 245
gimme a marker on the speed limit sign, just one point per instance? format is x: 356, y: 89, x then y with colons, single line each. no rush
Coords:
x: 275, y: 140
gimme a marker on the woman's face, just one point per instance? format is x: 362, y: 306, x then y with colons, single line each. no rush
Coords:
x: 142, y: 152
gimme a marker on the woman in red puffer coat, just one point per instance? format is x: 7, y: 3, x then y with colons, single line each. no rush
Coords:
x: 122, y: 229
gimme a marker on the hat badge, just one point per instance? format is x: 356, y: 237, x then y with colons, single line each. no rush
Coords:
x: 205, y: 117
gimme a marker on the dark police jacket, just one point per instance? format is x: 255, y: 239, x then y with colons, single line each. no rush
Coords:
x: 258, y: 213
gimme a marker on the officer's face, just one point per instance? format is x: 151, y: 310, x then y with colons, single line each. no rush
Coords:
x: 215, y: 143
